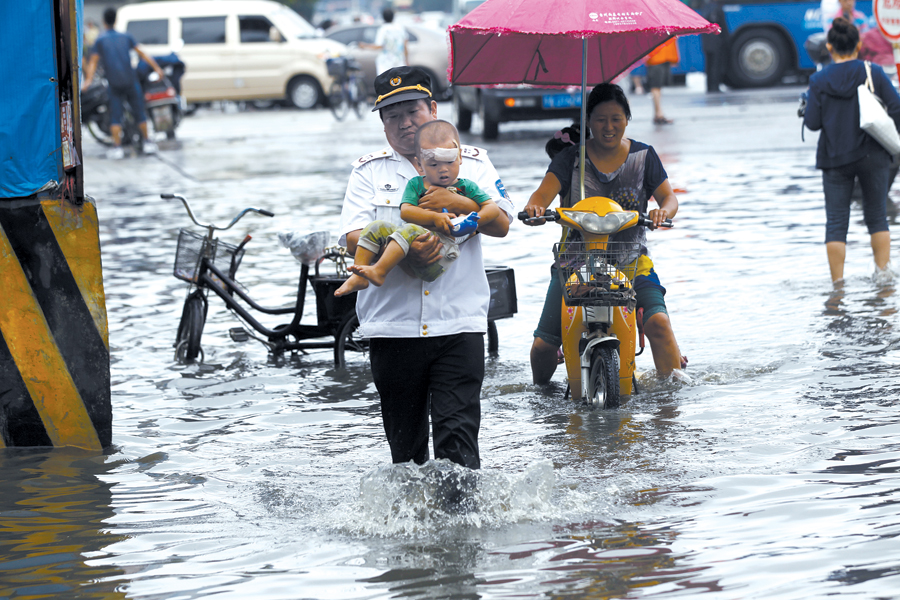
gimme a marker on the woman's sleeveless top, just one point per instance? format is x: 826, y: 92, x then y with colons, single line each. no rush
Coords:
x: 624, y: 186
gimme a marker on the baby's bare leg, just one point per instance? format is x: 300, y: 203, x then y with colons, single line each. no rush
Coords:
x: 376, y: 274
x: 355, y: 282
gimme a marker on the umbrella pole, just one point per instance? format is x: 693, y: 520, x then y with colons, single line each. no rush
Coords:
x: 583, y: 114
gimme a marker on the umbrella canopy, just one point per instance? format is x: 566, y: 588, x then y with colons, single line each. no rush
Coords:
x: 539, y: 42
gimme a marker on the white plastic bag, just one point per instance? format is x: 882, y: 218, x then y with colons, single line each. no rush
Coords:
x: 873, y: 118
x: 306, y: 247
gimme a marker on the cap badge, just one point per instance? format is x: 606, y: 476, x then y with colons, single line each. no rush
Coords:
x: 396, y: 81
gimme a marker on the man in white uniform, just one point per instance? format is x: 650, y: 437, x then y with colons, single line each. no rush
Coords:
x: 426, y: 338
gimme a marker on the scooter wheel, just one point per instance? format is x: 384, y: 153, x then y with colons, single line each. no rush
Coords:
x: 603, y: 386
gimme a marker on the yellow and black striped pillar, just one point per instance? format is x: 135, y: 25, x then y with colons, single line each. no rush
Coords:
x: 54, y: 340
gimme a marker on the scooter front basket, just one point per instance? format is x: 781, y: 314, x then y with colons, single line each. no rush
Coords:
x: 592, y: 277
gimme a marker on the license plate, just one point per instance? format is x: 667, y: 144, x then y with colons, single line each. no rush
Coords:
x: 561, y: 100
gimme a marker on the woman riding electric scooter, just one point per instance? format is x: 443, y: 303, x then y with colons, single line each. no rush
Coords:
x: 630, y: 173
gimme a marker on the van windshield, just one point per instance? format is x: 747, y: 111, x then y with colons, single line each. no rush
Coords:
x: 293, y: 25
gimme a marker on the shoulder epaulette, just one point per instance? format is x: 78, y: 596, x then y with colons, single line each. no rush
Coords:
x: 371, y: 156
x: 474, y: 152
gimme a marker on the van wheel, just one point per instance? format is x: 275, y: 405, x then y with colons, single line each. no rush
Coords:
x: 304, y: 92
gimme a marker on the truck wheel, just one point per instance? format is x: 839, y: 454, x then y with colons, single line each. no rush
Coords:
x: 759, y: 58
x: 303, y: 92
x: 603, y: 386
x: 463, y: 115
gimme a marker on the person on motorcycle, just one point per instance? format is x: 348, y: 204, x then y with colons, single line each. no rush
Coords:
x: 630, y: 173
x: 113, y: 49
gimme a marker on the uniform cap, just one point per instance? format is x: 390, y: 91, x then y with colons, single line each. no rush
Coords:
x: 401, y: 84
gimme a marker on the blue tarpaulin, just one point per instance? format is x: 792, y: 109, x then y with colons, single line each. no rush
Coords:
x: 30, y: 139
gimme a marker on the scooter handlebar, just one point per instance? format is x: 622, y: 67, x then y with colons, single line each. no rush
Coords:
x: 550, y: 215
x: 645, y: 221
x: 547, y: 216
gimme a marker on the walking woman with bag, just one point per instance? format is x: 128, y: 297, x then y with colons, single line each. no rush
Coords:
x: 846, y: 152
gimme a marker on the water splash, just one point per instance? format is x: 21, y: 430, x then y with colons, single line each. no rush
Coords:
x: 408, y: 499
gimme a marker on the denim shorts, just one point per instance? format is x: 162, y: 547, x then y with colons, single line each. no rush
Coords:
x: 837, y: 182
x: 135, y: 98
x: 650, y: 296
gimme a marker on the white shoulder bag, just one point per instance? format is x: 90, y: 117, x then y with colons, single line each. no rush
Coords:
x: 873, y: 118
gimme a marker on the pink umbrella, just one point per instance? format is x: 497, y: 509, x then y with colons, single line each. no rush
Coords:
x: 539, y: 41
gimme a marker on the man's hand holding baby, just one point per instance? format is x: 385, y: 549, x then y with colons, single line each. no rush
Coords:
x: 437, y: 198
x: 425, y: 250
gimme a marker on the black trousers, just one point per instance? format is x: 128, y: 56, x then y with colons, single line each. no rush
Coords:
x: 716, y: 63
x: 441, y: 375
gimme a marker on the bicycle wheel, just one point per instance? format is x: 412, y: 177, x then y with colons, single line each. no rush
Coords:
x: 348, y: 346
x: 360, y: 101
x: 603, y: 385
x: 97, y: 132
x: 337, y: 101
x: 190, y: 329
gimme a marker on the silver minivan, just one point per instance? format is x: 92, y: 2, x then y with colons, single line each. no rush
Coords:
x: 236, y: 49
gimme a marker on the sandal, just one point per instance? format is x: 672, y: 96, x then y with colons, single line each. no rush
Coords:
x: 662, y: 121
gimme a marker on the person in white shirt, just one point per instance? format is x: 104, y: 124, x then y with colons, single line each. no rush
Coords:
x: 426, y: 339
x: 393, y: 41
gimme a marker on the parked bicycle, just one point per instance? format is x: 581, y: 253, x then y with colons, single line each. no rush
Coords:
x: 199, y: 260
x: 348, y: 89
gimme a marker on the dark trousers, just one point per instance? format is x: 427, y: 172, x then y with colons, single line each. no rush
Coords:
x: 715, y: 69
x: 440, y: 375
x: 873, y: 173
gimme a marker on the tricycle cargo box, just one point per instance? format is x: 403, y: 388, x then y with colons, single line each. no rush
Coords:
x: 331, y: 308
x: 502, y: 282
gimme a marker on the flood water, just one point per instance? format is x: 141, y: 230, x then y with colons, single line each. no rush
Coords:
x: 772, y: 474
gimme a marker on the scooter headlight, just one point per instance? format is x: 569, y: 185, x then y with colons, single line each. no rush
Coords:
x: 605, y: 225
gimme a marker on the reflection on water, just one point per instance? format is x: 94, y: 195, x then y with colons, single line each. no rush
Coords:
x: 52, y: 512
x: 772, y: 474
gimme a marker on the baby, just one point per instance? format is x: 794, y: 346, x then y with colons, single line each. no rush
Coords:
x: 438, y: 156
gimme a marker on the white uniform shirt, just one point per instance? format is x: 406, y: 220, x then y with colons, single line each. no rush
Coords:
x: 407, y: 307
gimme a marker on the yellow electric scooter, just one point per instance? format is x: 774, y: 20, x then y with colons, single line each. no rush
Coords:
x: 599, y: 328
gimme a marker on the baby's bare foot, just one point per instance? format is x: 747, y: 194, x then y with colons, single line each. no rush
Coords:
x: 370, y: 272
x: 354, y: 283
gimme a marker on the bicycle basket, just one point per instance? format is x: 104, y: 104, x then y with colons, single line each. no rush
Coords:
x: 595, y: 277
x: 337, y: 67
x: 191, y: 246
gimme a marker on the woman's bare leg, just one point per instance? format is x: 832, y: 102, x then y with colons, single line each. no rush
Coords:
x: 881, y: 248
x: 543, y: 361
x: 666, y: 355
x: 837, y: 252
